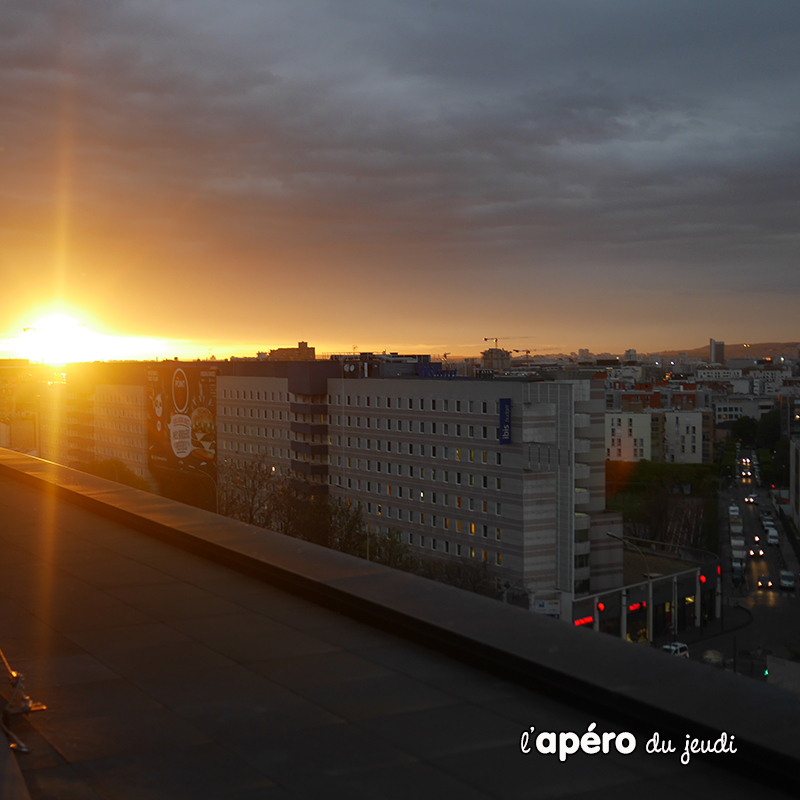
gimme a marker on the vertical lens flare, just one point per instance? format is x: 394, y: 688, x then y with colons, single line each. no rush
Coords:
x: 64, y: 167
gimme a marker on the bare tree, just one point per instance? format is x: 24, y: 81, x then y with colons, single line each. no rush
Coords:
x: 246, y: 488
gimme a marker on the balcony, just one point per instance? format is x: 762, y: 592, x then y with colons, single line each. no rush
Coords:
x: 582, y: 496
x: 582, y: 521
x: 583, y: 445
x: 310, y: 449
x: 308, y: 429
x: 582, y: 471
x: 308, y: 408
x: 583, y: 420
x: 309, y: 469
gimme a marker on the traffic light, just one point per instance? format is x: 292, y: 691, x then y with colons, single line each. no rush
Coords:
x: 702, y: 579
x: 719, y: 570
x: 601, y: 606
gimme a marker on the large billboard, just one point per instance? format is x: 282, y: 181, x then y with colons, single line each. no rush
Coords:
x: 181, y: 418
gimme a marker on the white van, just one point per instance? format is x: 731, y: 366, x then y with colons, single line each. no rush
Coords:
x: 772, y: 536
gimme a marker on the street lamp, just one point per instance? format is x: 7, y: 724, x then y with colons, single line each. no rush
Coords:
x: 649, y: 586
x: 216, y: 487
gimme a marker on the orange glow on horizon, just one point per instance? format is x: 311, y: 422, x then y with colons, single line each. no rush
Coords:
x: 58, y: 339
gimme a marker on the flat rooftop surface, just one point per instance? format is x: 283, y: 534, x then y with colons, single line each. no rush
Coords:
x: 167, y: 675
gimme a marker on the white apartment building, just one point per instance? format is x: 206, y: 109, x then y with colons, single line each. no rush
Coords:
x: 431, y: 458
x: 732, y: 407
x: 628, y: 436
x: 683, y: 437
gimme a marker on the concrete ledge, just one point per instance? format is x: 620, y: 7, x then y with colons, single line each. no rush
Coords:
x: 593, y: 671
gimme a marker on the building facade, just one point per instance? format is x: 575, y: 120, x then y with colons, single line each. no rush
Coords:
x: 506, y: 473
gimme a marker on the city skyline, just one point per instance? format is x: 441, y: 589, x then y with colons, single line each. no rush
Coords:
x: 416, y: 178
x: 59, y: 339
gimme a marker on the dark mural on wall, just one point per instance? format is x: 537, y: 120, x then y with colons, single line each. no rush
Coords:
x: 181, y: 419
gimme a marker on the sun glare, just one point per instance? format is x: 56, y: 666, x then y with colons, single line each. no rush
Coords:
x: 59, y: 339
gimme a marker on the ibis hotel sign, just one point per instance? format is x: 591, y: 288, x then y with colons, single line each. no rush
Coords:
x: 504, y: 429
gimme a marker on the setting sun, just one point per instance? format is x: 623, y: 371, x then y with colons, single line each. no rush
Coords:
x: 60, y: 339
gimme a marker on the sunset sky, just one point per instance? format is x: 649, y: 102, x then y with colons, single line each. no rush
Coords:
x: 412, y: 176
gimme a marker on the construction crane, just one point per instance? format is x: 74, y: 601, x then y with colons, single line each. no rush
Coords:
x: 527, y: 357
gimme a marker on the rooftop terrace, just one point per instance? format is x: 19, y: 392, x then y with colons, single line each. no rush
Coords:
x: 181, y: 654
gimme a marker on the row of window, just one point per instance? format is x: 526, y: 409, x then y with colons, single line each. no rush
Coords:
x: 465, y: 479
x: 255, y: 413
x: 410, y: 493
x: 244, y: 430
x: 249, y: 394
x: 442, y: 429
x: 114, y: 398
x: 434, y: 520
x: 444, y: 546
x: 410, y: 403
x: 443, y: 475
x: 434, y: 451
x: 420, y: 404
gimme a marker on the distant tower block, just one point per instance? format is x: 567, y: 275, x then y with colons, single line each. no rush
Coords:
x: 717, y: 352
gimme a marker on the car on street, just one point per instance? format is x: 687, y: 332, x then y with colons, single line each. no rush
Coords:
x: 772, y: 537
x: 756, y: 552
x: 764, y: 582
x: 787, y: 580
x: 678, y: 649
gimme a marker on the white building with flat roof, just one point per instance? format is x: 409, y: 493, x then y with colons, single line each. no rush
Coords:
x: 508, y: 473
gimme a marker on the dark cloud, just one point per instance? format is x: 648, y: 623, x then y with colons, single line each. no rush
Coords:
x: 615, y: 139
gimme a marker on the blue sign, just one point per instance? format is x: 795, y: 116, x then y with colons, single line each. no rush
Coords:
x: 504, y: 431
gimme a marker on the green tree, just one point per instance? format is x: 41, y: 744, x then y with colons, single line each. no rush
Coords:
x: 768, y: 430
x: 745, y: 429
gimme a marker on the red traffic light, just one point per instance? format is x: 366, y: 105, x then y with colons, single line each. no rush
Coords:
x: 601, y: 606
x: 702, y: 579
x: 719, y: 570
